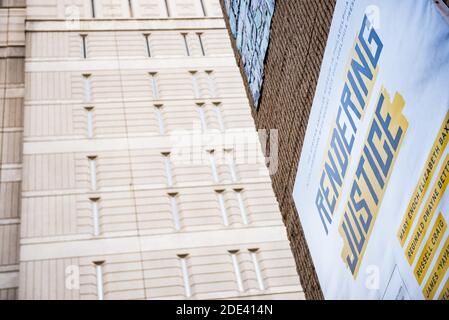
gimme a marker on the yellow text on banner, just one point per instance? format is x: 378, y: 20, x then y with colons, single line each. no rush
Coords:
x: 430, y: 248
x: 444, y: 295
x: 424, y: 180
x: 381, y: 148
x: 438, y: 272
x: 436, y: 193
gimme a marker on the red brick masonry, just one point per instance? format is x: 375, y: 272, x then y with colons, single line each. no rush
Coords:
x: 298, y: 38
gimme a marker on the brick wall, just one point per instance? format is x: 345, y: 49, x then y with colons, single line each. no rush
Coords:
x: 298, y: 39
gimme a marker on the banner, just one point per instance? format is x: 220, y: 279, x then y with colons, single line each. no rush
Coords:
x: 372, y: 184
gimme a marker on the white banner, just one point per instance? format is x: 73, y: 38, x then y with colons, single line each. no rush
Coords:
x: 371, y: 189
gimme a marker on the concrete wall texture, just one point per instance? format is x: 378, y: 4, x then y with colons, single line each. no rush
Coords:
x: 95, y: 96
x: 298, y: 38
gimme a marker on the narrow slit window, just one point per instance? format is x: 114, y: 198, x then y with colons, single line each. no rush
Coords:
x: 202, y: 116
x: 160, y: 118
x: 99, y: 272
x: 200, y: 40
x: 231, y: 164
x: 95, y: 215
x: 147, y: 44
x: 175, y: 211
x: 243, y: 213
x: 84, y: 45
x: 168, y: 169
x: 203, y: 8
x: 130, y: 8
x: 253, y: 253
x: 90, y: 121
x: 221, y: 203
x: 211, y: 83
x: 186, y: 43
x: 87, y: 87
x: 238, y: 275
x: 92, y: 8
x: 219, y: 116
x: 167, y: 8
x: 213, y: 166
x: 93, y: 172
x: 185, y: 274
x: 154, y: 86
x: 196, y: 89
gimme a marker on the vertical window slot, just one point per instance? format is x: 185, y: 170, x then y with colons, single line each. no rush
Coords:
x: 95, y: 215
x: 238, y: 275
x: 196, y: 89
x: 175, y: 211
x: 219, y: 117
x: 147, y: 44
x: 87, y: 87
x: 200, y: 40
x: 130, y: 8
x: 99, y: 273
x: 90, y: 121
x: 221, y: 202
x: 243, y: 212
x: 186, y: 43
x: 93, y: 172
x: 168, y: 169
x: 160, y: 118
x: 185, y: 274
x: 167, y: 8
x: 203, y: 8
x: 154, y: 86
x: 231, y: 164
x: 202, y: 116
x: 253, y: 253
x: 213, y: 166
x: 211, y: 83
x: 84, y: 45
x: 92, y: 8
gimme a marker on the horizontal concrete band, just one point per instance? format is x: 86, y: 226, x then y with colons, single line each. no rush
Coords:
x: 129, y: 63
x: 10, y: 174
x: 186, y: 142
x: 6, y: 222
x: 180, y: 187
x: 9, y: 280
x: 178, y: 241
x: 99, y: 24
x: 12, y: 52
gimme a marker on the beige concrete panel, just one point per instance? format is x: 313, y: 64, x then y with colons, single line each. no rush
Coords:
x: 48, y: 279
x: 49, y: 172
x: 50, y: 86
x: 149, y: 9
x: 8, y: 294
x: 52, y: 216
x: 9, y: 199
x: 12, y: 111
x: 186, y: 8
x: 9, y: 252
x: 53, y: 45
x: 11, y: 147
x: 11, y: 71
x: 12, y: 27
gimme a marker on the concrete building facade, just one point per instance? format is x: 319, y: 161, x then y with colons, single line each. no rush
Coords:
x: 12, y: 54
x: 119, y: 180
